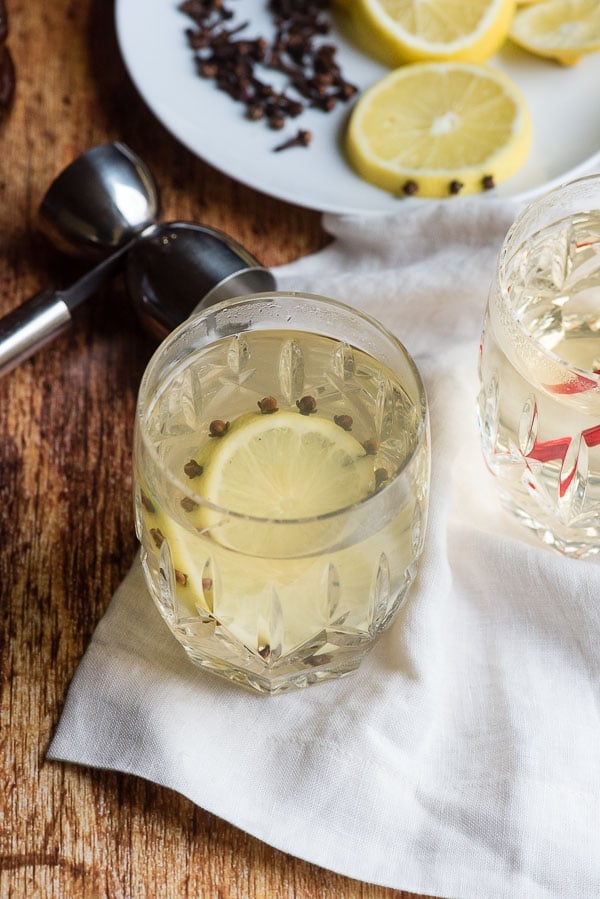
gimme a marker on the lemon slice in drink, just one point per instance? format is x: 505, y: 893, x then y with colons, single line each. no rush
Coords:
x: 432, y: 129
x: 414, y: 30
x: 286, y: 471
x: 284, y: 467
x: 564, y: 30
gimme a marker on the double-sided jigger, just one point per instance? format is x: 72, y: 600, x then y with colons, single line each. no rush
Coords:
x: 180, y: 268
x: 106, y: 203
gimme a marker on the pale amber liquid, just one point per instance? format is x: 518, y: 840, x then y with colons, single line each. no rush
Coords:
x: 346, y: 575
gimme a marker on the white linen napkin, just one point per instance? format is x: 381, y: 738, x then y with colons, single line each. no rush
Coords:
x: 463, y: 758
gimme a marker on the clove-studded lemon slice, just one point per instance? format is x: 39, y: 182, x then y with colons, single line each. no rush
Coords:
x: 267, y: 574
x: 434, y: 129
x: 282, y: 468
x: 286, y: 466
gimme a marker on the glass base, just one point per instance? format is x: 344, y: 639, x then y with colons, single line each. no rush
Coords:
x: 578, y: 543
x: 259, y: 654
x: 281, y: 680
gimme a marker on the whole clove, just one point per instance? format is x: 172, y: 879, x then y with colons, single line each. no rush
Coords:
x: 218, y: 428
x: 147, y: 503
x: 237, y: 64
x: 268, y: 405
x: 371, y: 446
x: 302, y: 138
x: 193, y: 469
x: 381, y: 476
x: 306, y: 405
x: 343, y: 421
x: 157, y: 537
x: 410, y: 188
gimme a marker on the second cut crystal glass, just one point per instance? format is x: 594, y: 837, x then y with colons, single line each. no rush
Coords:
x: 539, y: 403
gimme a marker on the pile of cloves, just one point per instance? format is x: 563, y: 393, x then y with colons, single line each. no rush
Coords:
x: 296, y: 50
x: 7, y: 71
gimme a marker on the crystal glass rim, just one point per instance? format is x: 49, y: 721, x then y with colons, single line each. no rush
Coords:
x: 507, y: 252
x: 156, y: 360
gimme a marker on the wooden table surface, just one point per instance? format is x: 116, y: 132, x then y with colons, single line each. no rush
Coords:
x: 66, y: 421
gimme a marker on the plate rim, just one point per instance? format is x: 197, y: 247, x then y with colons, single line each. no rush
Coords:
x: 122, y: 10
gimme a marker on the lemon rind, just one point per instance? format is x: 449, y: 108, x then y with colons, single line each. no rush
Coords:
x: 548, y: 44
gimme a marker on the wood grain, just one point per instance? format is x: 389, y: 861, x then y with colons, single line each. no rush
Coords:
x: 65, y: 486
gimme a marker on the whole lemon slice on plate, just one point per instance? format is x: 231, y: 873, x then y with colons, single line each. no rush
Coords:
x: 283, y: 468
x: 414, y: 30
x: 564, y: 30
x: 433, y: 129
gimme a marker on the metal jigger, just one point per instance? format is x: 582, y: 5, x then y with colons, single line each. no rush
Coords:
x: 102, y: 201
x: 181, y: 268
x: 107, y: 200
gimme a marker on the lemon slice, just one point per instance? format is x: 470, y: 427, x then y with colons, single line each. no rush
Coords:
x: 437, y: 128
x: 285, y: 467
x: 239, y: 573
x: 564, y: 30
x: 421, y: 30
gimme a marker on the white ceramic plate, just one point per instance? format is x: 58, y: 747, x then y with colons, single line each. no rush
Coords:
x: 564, y: 103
